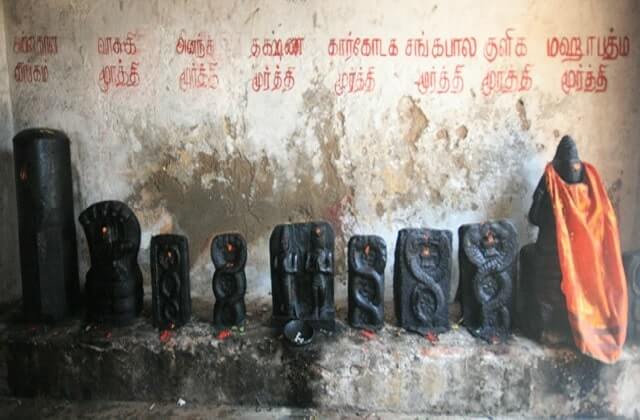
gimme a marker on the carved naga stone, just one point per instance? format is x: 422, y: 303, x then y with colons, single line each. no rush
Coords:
x: 229, y: 255
x: 367, y: 260
x: 488, y: 259
x: 302, y: 269
x: 171, y: 291
x: 632, y: 269
x: 542, y: 309
x: 114, y: 281
x: 421, y: 280
x: 48, y: 255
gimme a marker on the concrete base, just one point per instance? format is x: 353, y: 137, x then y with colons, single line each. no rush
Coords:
x: 393, y: 371
x: 38, y: 408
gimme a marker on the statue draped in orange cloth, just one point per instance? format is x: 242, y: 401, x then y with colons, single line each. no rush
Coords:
x: 585, y: 236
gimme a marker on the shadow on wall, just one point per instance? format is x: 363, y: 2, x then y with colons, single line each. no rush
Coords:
x: 78, y: 207
x: 9, y: 254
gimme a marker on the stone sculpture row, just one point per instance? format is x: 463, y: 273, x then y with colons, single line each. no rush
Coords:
x: 302, y: 275
x: 302, y: 263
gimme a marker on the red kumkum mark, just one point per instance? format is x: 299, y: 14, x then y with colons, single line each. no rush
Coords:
x: 432, y: 337
x: 369, y: 335
x: 165, y: 336
x: 223, y: 335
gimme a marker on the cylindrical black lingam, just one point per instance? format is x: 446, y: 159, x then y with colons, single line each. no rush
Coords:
x: 48, y: 254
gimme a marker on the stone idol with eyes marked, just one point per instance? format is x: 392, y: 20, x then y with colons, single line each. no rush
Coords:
x: 229, y: 255
x: 488, y: 264
x: 170, y: 287
x: 114, y: 281
x: 367, y: 257
x: 421, y: 279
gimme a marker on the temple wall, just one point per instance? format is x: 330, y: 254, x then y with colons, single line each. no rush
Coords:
x: 9, y: 270
x: 196, y: 144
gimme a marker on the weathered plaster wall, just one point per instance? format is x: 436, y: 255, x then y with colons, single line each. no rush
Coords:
x: 9, y: 272
x: 205, y: 161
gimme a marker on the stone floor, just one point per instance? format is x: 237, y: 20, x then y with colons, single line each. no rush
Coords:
x: 105, y: 410
x: 344, y: 373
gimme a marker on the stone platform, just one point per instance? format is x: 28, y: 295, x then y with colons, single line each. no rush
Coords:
x: 393, y: 371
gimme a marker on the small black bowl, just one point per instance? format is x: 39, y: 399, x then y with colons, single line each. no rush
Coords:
x: 298, y: 332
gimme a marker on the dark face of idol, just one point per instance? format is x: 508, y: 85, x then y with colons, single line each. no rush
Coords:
x: 567, y: 162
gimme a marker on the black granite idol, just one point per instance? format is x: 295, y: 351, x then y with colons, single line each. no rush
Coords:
x: 421, y: 277
x: 48, y: 255
x: 367, y: 257
x: 114, y: 281
x: 229, y: 255
x: 542, y: 309
x: 632, y: 270
x: 488, y: 261
x: 170, y: 288
x: 302, y: 269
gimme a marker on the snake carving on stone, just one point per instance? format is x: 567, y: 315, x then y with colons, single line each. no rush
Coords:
x: 169, y: 260
x: 229, y: 255
x: 170, y: 287
x: 492, y: 248
x: 114, y: 282
x: 427, y: 257
x: 367, y: 261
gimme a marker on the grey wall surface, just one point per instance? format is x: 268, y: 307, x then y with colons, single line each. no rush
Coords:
x: 200, y: 161
x: 9, y: 270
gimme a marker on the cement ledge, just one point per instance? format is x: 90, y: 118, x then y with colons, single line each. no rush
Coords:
x: 394, y: 371
x: 32, y: 408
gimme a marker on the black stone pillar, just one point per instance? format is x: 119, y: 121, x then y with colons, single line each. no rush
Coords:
x: 46, y: 223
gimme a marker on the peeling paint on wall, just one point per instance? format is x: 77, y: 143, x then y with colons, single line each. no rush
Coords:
x: 202, y: 162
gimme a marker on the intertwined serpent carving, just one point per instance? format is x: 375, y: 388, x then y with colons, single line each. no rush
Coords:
x: 427, y: 257
x: 367, y: 260
x: 492, y: 248
x: 229, y: 255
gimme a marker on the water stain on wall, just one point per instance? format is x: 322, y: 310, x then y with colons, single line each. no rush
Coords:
x: 230, y: 192
x: 412, y: 120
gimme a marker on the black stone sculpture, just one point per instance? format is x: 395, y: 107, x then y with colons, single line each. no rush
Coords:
x: 114, y: 281
x: 632, y: 269
x: 48, y: 255
x: 367, y: 259
x: 421, y: 278
x: 542, y: 309
x: 302, y: 268
x: 170, y: 287
x: 488, y: 260
x: 229, y: 255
